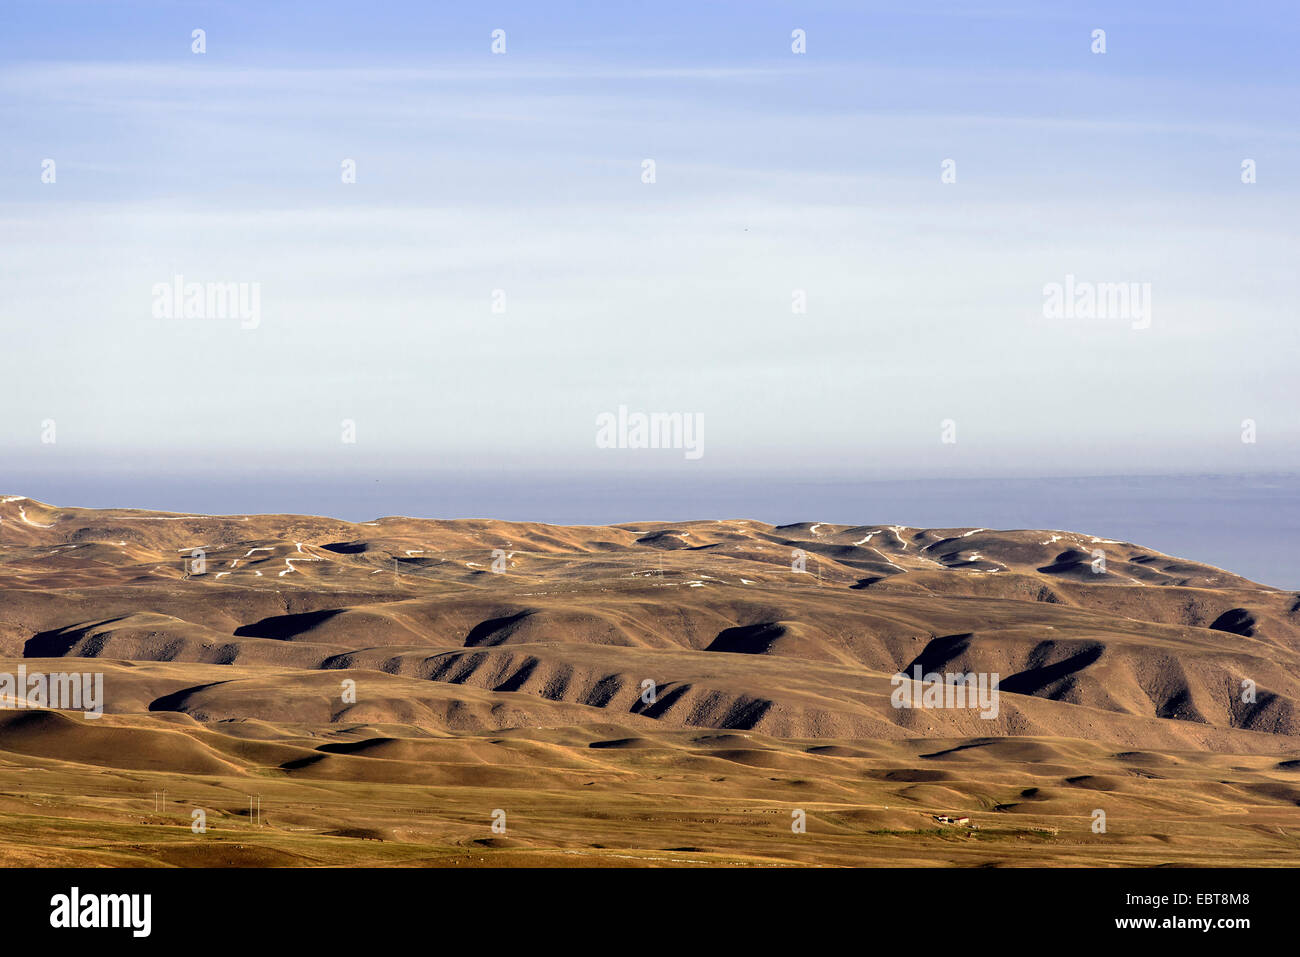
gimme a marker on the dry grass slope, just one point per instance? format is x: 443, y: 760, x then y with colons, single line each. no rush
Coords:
x: 502, y: 666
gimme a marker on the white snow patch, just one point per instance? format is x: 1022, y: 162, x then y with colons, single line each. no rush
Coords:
x: 22, y: 513
x: 175, y: 518
x: 290, y: 561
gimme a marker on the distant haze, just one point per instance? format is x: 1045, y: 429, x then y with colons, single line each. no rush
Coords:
x: 1245, y: 524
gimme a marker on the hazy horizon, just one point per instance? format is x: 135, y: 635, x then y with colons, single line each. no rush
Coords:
x: 1242, y: 523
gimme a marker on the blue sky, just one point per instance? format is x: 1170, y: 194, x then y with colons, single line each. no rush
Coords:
x: 774, y: 172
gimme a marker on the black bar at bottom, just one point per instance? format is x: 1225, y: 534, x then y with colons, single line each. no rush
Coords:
x: 332, y: 907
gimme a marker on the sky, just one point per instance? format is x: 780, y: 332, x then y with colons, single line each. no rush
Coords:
x: 516, y: 179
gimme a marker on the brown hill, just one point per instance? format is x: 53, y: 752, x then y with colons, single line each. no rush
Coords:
x: 609, y: 648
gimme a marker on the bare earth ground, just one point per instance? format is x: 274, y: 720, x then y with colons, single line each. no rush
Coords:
x: 521, y: 692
